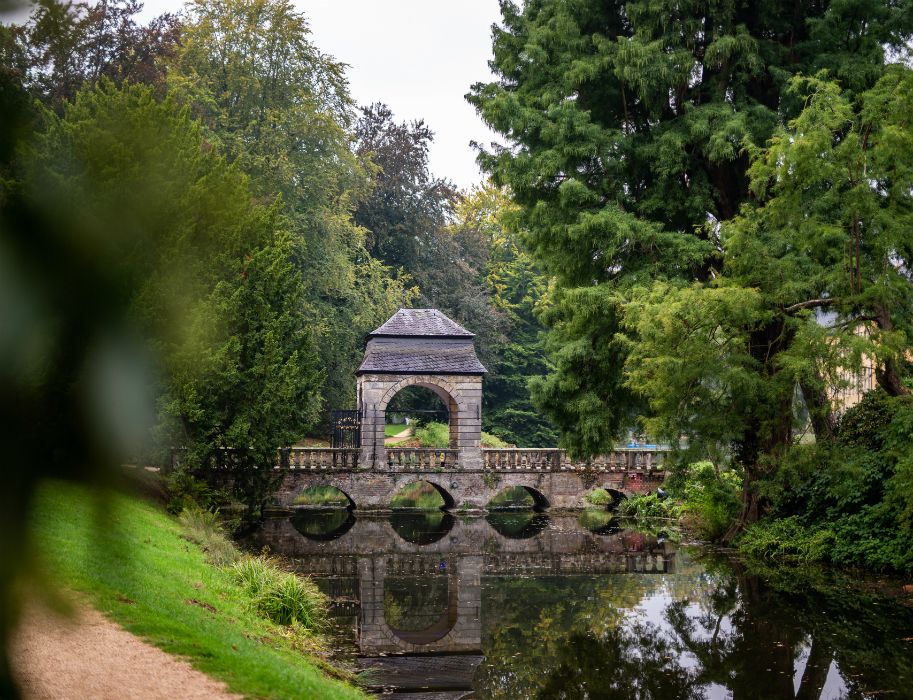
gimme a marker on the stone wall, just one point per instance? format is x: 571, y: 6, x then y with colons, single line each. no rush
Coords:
x: 373, y: 490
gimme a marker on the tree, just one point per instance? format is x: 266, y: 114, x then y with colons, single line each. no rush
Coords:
x: 68, y: 44
x: 279, y: 109
x: 627, y: 124
x: 207, y: 273
x: 516, y: 290
x: 407, y: 206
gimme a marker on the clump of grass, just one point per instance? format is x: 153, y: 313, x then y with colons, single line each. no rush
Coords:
x: 419, y: 495
x: 285, y: 598
x: 204, y: 528
x: 321, y: 496
x: 513, y: 497
x: 599, y: 497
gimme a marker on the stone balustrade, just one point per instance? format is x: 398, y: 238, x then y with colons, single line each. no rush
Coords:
x: 319, y: 458
x: 421, y: 459
x: 542, y: 459
x: 343, y: 459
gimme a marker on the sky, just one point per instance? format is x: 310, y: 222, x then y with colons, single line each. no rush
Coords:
x: 418, y: 56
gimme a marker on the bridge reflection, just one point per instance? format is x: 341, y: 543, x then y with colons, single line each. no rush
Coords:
x: 414, y: 580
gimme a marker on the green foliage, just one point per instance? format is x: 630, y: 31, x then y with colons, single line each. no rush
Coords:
x: 786, y: 540
x: 635, y: 141
x: 512, y: 497
x: 856, y: 487
x: 433, y: 435
x: 204, y: 528
x: 322, y: 496
x: 279, y: 109
x: 187, y: 492
x: 599, y: 497
x: 419, y: 495
x: 284, y: 598
x: 649, y: 506
x: 712, y: 500
x: 493, y: 441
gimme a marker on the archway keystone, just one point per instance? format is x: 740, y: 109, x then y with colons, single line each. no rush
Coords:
x: 421, y: 347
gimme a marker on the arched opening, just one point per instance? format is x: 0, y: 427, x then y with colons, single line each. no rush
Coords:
x: 518, y: 498
x: 322, y: 496
x: 421, y: 495
x: 421, y: 609
x: 421, y: 415
x: 323, y: 525
x: 421, y: 528
x: 605, y: 498
x: 517, y: 525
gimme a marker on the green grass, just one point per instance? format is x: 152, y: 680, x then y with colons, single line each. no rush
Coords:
x: 599, y: 497
x: 438, y: 435
x: 513, y: 497
x: 391, y: 430
x: 323, y: 496
x: 136, y: 565
x: 418, y: 494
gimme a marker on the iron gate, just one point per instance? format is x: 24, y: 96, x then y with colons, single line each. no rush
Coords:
x: 345, y: 429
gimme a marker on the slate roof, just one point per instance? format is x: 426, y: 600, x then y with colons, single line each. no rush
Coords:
x: 416, y: 323
x: 421, y: 359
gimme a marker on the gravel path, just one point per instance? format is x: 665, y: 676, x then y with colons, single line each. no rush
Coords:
x: 91, y: 657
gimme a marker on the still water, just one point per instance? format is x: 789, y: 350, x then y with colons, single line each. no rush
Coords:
x: 527, y: 605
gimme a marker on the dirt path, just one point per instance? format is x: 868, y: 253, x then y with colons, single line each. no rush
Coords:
x: 91, y: 657
x: 399, y: 437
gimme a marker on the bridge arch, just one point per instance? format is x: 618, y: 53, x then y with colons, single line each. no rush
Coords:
x: 448, y: 499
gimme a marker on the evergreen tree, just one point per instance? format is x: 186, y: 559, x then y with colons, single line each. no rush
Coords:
x: 627, y: 125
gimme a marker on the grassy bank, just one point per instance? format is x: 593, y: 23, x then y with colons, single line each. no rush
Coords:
x: 137, y: 566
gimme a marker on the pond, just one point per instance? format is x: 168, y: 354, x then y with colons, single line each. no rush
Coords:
x: 531, y: 605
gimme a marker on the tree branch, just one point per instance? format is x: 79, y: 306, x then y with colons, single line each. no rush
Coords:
x: 810, y: 304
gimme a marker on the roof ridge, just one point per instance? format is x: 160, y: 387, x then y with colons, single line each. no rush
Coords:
x: 421, y: 322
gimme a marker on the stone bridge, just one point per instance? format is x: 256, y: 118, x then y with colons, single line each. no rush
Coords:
x: 548, y: 475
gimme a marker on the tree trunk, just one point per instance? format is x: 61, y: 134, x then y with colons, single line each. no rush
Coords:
x: 820, y: 410
x: 888, y: 375
x: 769, y: 432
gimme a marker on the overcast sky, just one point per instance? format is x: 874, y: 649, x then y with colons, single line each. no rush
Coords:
x: 418, y: 56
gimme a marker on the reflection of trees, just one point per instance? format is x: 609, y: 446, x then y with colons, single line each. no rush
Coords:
x: 574, y: 637
x: 632, y: 661
x: 531, y: 627
x: 519, y: 525
x: 425, y: 527
x: 323, y: 524
x: 419, y: 604
x: 749, y: 634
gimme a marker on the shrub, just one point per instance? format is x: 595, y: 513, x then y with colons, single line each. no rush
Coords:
x: 433, y: 435
x: 786, y: 540
x: 185, y: 491
x: 284, y: 598
x: 493, y: 441
x: 649, y: 506
x: 712, y: 499
x: 599, y: 497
